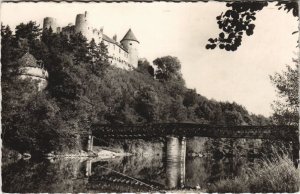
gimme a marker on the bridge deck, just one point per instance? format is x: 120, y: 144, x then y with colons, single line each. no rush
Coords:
x: 286, y: 133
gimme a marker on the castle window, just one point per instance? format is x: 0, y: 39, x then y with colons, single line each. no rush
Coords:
x: 130, y: 43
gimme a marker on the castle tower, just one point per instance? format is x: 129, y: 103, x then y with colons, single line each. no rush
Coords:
x: 82, y: 25
x: 131, y: 44
x: 50, y: 22
x: 31, y: 68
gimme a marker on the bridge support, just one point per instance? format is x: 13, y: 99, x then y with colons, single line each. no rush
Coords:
x: 182, y: 162
x: 90, y: 143
x: 296, y: 152
x: 88, y: 168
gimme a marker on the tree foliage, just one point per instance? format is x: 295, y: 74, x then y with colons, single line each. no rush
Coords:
x: 145, y: 67
x: 239, y: 19
x: 168, y: 68
x: 287, y: 87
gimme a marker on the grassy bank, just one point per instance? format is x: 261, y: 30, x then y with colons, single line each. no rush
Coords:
x: 276, y: 175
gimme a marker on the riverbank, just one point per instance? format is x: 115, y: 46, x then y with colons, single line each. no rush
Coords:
x: 97, y: 152
x: 11, y: 156
x: 278, y: 175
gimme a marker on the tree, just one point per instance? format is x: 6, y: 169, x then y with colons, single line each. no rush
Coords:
x: 145, y: 67
x: 147, y: 105
x: 79, y: 47
x: 178, y: 111
x: 98, y: 57
x: 168, y: 68
x: 28, y: 36
x: 30, y: 31
x: 239, y: 19
x: 287, y: 87
x: 40, y: 120
x: 190, y: 98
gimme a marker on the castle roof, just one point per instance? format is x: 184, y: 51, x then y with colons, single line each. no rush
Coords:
x: 108, y: 39
x: 130, y: 36
x: 28, y: 60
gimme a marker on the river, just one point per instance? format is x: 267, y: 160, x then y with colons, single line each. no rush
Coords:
x: 171, y: 170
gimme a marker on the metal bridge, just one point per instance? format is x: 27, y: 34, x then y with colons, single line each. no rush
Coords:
x: 182, y: 130
x: 274, y: 132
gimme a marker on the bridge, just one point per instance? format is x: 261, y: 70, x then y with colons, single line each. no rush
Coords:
x: 175, y: 135
x: 275, y: 132
x: 183, y: 130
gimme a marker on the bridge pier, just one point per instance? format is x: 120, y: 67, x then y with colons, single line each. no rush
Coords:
x: 295, y: 150
x: 90, y: 143
x: 88, y: 168
x: 182, y: 162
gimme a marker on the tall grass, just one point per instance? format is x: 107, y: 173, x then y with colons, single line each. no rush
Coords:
x: 276, y: 175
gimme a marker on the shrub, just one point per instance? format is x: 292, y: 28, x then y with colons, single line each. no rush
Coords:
x: 276, y: 175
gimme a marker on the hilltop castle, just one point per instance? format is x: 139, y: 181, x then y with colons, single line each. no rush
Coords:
x: 123, y: 54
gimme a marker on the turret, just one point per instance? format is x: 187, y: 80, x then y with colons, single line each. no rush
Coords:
x: 50, y: 22
x: 131, y: 44
x: 31, y: 68
x: 82, y: 24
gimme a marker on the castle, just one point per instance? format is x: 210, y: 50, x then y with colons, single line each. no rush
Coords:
x: 123, y: 54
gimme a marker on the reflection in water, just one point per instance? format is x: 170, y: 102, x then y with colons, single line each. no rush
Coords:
x: 173, y: 162
x: 43, y: 176
x: 128, y: 174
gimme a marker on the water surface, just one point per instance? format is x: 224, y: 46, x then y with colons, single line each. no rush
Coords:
x: 160, y: 172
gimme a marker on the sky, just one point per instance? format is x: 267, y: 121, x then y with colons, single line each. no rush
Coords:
x: 182, y: 30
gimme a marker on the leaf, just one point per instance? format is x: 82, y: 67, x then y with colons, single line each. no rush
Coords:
x: 222, y: 35
x: 249, y: 32
x: 211, y: 40
x: 227, y: 47
x: 251, y: 26
x: 213, y: 46
x: 228, y: 13
x: 231, y: 35
x: 234, y: 15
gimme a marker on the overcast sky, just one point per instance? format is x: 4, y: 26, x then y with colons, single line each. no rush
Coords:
x: 182, y: 30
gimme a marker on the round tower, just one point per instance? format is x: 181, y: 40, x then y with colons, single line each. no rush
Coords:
x: 131, y: 44
x: 31, y: 68
x: 82, y: 24
x: 50, y: 22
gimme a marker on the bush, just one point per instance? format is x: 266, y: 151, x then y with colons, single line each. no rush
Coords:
x: 276, y: 175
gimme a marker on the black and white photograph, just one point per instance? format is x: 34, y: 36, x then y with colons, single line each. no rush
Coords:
x: 150, y: 97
